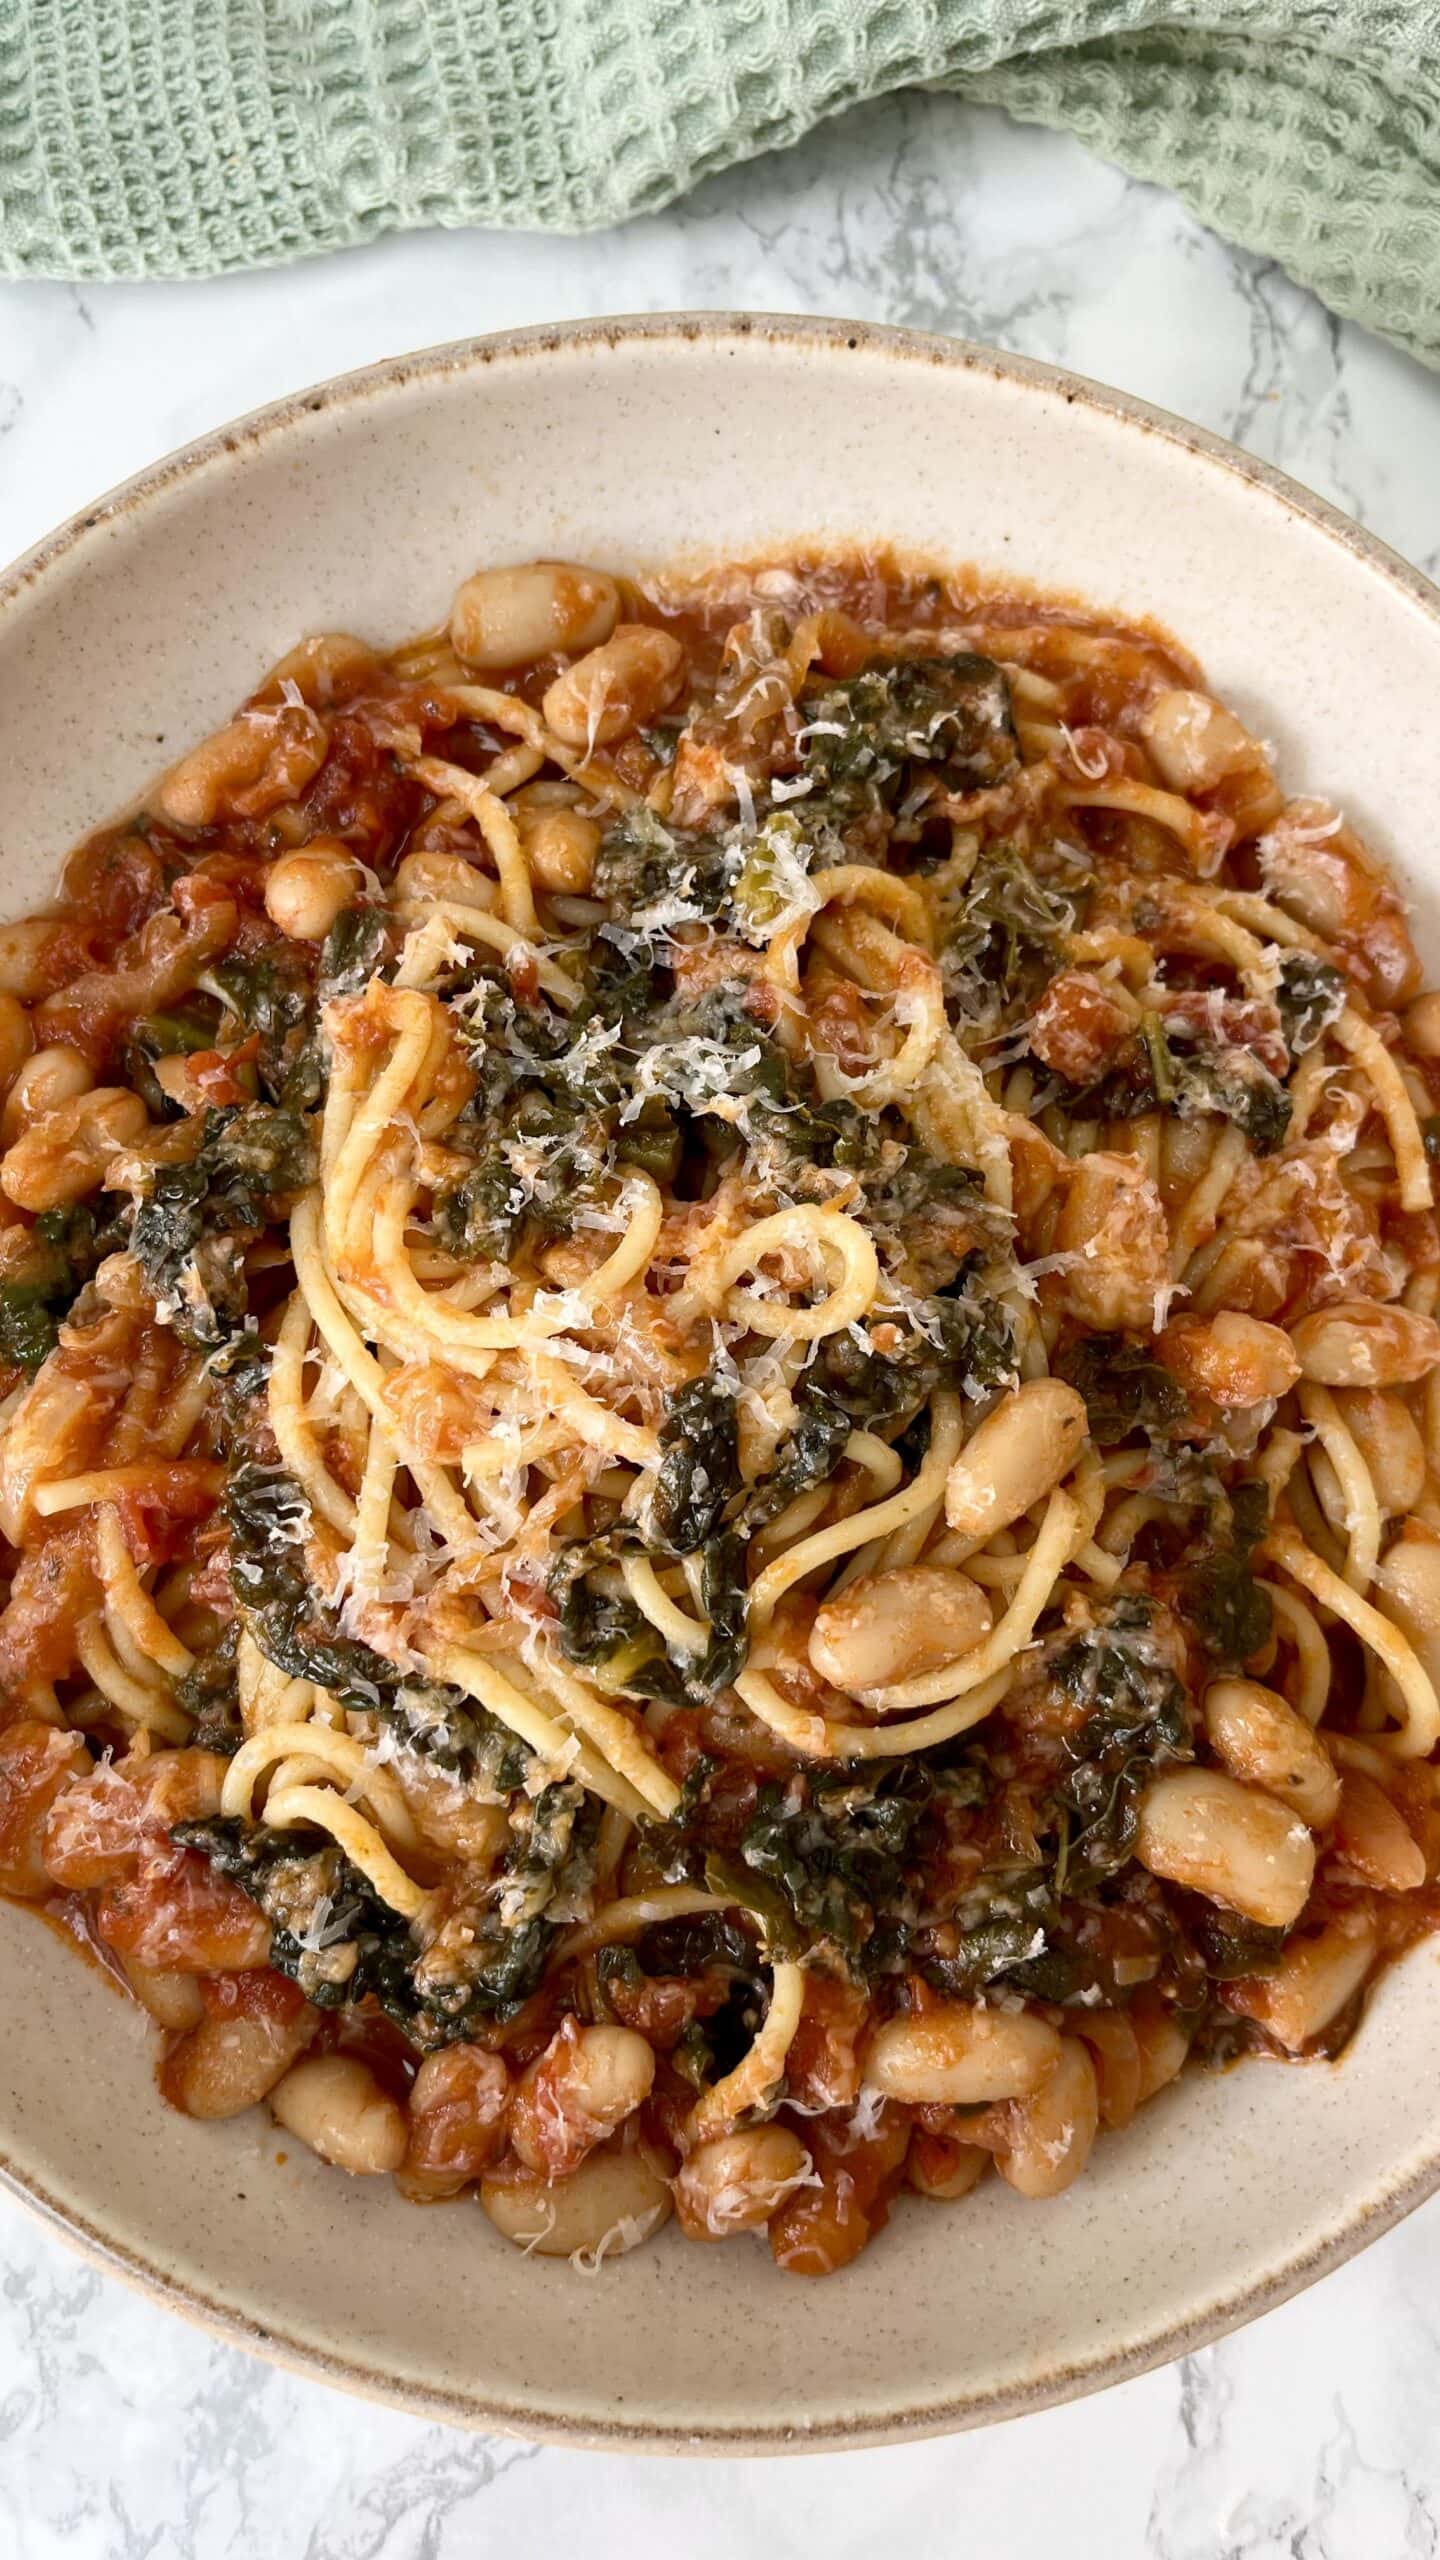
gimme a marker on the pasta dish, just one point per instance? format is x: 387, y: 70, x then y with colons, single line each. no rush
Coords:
x: 719, y: 1411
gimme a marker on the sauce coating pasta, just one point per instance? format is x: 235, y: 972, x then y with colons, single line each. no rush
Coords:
x: 719, y: 1409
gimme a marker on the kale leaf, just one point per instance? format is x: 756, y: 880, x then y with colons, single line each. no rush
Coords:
x: 865, y: 737
x: 62, y: 1251
x: 1310, y: 995
x: 1137, y: 1720
x: 272, y: 992
x: 208, y: 1691
x: 356, y: 949
x: 601, y: 1629
x: 834, y: 1851
x: 267, y: 1514
x: 1124, y: 1387
x: 188, y: 1228
x: 1156, y: 1073
x: 654, y: 878
x: 340, y: 1943
x: 1238, y: 1086
x: 1007, y: 937
x: 699, y: 1469
x: 808, y: 1455
x: 1219, y: 1593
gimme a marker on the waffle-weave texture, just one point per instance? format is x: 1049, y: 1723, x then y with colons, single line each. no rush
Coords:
x: 185, y: 137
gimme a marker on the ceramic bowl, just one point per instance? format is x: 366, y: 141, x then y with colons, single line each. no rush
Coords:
x: 136, y: 628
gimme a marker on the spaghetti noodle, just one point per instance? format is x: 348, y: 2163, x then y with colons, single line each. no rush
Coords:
x: 718, y: 1426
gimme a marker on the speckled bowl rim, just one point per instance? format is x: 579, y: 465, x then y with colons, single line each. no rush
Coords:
x: 1393, y: 2198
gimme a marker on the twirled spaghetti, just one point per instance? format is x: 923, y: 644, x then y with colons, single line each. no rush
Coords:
x: 721, y: 1420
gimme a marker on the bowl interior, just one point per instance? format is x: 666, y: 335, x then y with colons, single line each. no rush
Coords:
x: 361, y: 508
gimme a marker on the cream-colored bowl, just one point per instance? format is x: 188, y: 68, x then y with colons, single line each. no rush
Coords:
x: 133, y: 630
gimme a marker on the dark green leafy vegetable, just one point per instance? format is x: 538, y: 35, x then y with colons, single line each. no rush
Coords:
x: 273, y: 993
x: 1124, y: 1387
x: 1156, y: 1072
x: 1310, y: 995
x: 654, y: 877
x: 841, y: 1856
x: 268, y: 1517
x: 1137, y: 1720
x: 529, y: 1180
x: 1238, y: 1086
x: 188, y: 1228
x: 62, y: 1252
x: 1233, y: 1947
x: 699, y: 1467
x: 601, y: 1629
x: 1006, y: 940
x: 334, y: 1937
x: 29, y: 1329
x: 331, y: 1933
x: 808, y: 1455
x: 770, y: 881
x: 355, y: 950
x: 1218, y: 1590
x: 208, y: 1692
x: 865, y: 737
x: 652, y: 1140
x: 967, y: 1342
x: 181, y: 1034
x: 1024, y: 1939
x: 835, y: 1858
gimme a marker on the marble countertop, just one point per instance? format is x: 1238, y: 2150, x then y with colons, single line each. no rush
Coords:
x: 126, y: 2435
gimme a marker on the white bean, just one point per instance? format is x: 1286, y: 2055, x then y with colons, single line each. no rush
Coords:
x: 735, y: 2182
x: 1119, y: 2070
x: 457, y: 2109
x: 585, y: 2083
x: 1374, y: 1839
x: 892, y: 1626
x: 174, y: 2000
x: 24, y: 952
x: 612, y: 2202
x: 51, y: 1077
x: 1260, y: 1739
x: 233, y: 2059
x: 1422, y: 1025
x: 17, y: 1038
x: 959, y: 2056
x: 306, y: 891
x: 62, y: 1156
x: 1359, y: 1343
x: 1019, y: 1454
x: 1233, y: 1359
x: 259, y: 759
x: 942, y: 2169
x: 1201, y: 1829
x: 509, y: 617
x: 560, y: 847
x: 1052, y: 2131
x: 615, y: 688
x: 326, y: 668
x: 1112, y: 1222
x: 1195, y: 742
x: 334, y: 2104
x: 1163, y: 2045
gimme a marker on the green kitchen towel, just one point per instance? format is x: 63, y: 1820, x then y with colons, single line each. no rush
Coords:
x: 181, y: 137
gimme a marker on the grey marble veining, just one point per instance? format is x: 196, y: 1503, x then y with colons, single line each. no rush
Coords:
x: 1312, y: 2435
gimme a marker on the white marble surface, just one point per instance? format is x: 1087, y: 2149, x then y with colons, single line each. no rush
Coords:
x: 125, y: 2435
